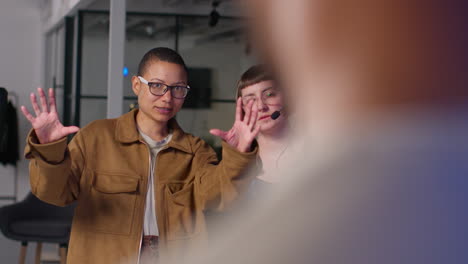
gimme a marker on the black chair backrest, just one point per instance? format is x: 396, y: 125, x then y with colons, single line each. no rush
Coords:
x: 47, y: 211
x: 3, y: 105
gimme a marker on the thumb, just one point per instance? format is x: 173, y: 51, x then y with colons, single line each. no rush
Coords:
x: 70, y: 130
x: 218, y: 133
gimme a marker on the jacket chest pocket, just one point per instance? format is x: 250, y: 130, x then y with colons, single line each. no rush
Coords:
x: 184, y: 220
x: 111, y: 203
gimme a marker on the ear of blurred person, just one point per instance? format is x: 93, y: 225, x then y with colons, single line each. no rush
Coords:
x: 379, y: 93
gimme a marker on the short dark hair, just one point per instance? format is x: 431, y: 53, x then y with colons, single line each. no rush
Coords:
x: 160, y: 54
x: 255, y: 74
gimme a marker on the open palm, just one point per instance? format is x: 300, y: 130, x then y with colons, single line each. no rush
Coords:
x: 46, y: 124
x: 244, y: 129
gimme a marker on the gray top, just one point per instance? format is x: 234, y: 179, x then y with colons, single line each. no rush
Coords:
x: 150, y: 226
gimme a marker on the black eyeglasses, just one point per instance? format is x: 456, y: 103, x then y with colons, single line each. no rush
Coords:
x: 158, y: 88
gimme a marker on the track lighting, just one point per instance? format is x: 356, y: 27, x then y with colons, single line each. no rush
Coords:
x: 214, y: 15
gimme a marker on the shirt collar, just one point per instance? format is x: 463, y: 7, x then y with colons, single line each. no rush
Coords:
x: 127, y: 132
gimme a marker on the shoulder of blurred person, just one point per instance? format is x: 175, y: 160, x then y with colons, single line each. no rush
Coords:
x: 394, y: 191
x: 380, y: 175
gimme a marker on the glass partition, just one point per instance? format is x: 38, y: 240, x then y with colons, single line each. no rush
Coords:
x: 215, y: 57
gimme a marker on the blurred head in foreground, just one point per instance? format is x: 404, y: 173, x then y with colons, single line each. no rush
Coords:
x: 344, y: 59
x: 379, y: 89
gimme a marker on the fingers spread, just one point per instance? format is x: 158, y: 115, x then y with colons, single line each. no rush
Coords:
x: 27, y: 114
x: 34, y: 104
x: 248, y: 112
x: 254, y: 117
x: 218, y: 133
x: 53, y: 108
x: 45, y: 107
x: 70, y: 130
x: 239, y: 109
x: 255, y: 131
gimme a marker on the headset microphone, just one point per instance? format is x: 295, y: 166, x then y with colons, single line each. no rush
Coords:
x: 276, y: 114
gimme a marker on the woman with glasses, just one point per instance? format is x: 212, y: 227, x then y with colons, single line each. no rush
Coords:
x: 258, y: 86
x: 141, y: 183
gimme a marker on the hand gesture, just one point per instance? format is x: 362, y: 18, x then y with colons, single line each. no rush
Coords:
x: 244, y: 129
x: 46, y: 124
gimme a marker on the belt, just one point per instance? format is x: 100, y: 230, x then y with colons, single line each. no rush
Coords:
x: 149, y: 249
x: 150, y: 241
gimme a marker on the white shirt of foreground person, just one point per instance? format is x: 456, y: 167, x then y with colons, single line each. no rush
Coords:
x: 391, y: 189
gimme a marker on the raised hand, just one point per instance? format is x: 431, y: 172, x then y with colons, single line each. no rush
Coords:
x: 244, y: 129
x: 46, y: 124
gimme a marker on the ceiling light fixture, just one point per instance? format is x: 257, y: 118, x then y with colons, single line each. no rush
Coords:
x: 214, y: 15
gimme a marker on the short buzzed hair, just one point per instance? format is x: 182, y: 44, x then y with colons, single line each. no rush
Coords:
x: 160, y: 54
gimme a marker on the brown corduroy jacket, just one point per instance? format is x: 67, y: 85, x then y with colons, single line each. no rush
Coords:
x: 105, y: 170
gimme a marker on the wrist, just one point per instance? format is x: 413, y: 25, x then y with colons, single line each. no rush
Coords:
x: 243, y: 148
x: 41, y: 139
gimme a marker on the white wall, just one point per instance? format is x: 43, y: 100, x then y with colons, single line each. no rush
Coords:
x: 21, y: 54
x: 20, y: 72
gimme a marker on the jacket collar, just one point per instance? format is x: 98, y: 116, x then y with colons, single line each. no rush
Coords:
x: 127, y: 132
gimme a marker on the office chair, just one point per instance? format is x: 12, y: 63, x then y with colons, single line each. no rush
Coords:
x: 33, y: 220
